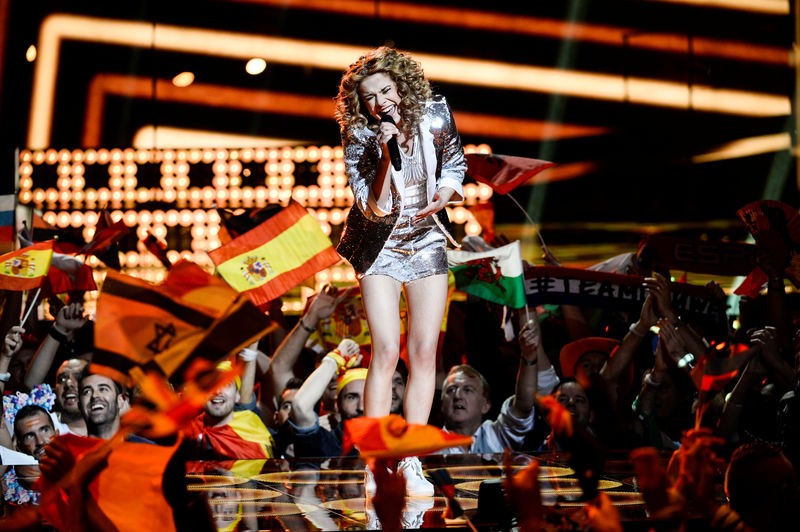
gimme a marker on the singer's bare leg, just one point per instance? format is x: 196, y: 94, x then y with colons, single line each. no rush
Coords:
x: 381, y: 298
x: 427, y: 301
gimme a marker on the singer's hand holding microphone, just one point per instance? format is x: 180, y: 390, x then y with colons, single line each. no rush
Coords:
x: 388, y: 135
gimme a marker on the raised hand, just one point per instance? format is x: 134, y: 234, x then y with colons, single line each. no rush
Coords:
x: 659, y: 286
x: 13, y: 341
x: 70, y: 317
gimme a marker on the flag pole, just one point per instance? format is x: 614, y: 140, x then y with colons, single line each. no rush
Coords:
x: 535, y: 226
x: 31, y: 306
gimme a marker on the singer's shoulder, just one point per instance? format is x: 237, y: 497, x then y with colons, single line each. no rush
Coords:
x: 436, y: 101
x: 357, y: 134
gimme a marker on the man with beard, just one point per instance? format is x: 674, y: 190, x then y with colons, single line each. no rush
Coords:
x: 33, y: 430
x: 69, y: 320
x: 101, y: 400
x: 68, y: 411
x: 224, y: 431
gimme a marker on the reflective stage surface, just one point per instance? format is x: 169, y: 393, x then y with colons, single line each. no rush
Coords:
x: 329, y: 495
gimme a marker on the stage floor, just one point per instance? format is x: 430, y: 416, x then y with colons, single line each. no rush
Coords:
x: 329, y: 495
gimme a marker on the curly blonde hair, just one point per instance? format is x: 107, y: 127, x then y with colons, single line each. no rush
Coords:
x: 412, y: 86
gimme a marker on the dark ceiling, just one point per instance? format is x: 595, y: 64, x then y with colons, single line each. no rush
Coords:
x: 642, y: 169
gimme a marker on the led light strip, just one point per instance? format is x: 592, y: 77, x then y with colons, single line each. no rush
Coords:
x: 332, y: 56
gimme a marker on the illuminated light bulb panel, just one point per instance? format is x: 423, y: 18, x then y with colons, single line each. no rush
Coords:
x: 173, y: 193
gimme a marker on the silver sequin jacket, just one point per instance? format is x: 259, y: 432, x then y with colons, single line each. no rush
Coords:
x: 369, y: 225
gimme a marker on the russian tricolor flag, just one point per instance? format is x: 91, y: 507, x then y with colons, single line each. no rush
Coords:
x: 8, y: 204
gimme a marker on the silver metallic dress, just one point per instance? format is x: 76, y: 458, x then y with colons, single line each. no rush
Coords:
x: 414, y: 249
x: 379, y: 238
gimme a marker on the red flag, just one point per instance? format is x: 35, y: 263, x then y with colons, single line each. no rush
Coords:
x: 484, y: 215
x: 715, y: 374
x: 503, y: 172
x: 157, y: 248
x: 103, y: 245
x: 67, y: 274
x: 753, y: 283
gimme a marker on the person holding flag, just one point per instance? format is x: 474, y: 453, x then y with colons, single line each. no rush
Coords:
x: 404, y: 163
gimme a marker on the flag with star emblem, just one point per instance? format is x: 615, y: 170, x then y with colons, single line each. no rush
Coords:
x: 165, y: 327
x: 275, y: 256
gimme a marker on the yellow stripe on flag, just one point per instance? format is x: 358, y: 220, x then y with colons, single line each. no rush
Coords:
x: 258, y: 266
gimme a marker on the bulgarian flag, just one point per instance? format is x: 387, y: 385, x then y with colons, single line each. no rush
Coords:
x: 26, y: 268
x: 276, y: 255
x: 494, y: 275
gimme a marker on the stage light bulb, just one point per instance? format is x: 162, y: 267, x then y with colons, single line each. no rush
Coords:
x: 255, y: 66
x: 184, y: 79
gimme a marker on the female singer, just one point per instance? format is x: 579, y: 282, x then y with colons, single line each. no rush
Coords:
x: 395, y: 235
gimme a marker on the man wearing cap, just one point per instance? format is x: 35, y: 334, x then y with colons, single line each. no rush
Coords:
x: 311, y: 440
x: 230, y: 427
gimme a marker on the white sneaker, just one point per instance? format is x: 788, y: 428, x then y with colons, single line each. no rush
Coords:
x: 413, y: 515
x: 369, y: 483
x: 416, y: 483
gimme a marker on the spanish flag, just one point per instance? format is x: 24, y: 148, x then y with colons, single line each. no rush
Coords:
x: 26, y: 268
x: 275, y: 256
x: 244, y: 438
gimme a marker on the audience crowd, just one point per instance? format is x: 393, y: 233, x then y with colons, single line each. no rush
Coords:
x: 625, y: 379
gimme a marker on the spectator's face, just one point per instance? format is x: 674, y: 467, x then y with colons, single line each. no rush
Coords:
x: 589, y: 364
x: 220, y: 405
x: 573, y: 397
x: 67, y: 386
x: 285, y: 409
x: 100, y: 402
x: 462, y: 399
x: 34, y: 433
x: 351, y: 399
x: 398, y: 389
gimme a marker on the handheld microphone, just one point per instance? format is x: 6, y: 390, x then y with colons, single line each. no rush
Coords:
x: 394, y: 150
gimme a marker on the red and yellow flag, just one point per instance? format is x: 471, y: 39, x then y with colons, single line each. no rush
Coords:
x: 392, y: 437
x: 245, y: 437
x: 275, y: 256
x: 26, y: 268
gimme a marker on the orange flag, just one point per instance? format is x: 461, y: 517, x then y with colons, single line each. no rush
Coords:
x: 275, y: 256
x: 129, y: 490
x: 163, y: 327
x: 392, y: 437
